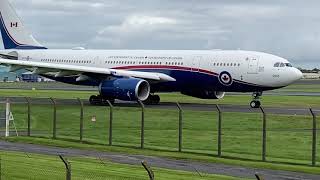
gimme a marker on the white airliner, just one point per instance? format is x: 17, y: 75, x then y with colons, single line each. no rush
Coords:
x: 133, y: 75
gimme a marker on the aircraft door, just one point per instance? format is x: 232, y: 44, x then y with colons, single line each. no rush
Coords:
x: 253, y: 63
x: 96, y: 60
x: 196, y: 63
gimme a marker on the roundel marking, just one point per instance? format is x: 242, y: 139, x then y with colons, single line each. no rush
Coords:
x: 225, y: 78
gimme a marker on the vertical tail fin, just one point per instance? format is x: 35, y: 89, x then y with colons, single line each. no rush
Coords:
x: 14, y: 34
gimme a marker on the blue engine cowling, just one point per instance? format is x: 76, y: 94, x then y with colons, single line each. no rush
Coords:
x: 127, y: 89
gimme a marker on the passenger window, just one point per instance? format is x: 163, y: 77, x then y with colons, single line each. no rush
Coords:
x: 282, y: 65
x: 276, y: 64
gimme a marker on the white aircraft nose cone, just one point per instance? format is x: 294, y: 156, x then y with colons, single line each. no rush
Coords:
x: 298, y: 74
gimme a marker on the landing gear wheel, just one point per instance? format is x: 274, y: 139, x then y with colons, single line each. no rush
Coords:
x: 255, y: 104
x: 156, y: 99
x: 105, y: 101
x: 94, y: 100
x: 99, y: 100
x: 152, y: 99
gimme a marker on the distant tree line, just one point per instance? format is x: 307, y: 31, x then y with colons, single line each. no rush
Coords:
x: 314, y: 70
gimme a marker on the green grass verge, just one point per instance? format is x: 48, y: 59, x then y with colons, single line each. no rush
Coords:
x: 21, y: 166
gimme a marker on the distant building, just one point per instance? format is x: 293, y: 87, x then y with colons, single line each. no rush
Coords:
x: 311, y: 75
x: 30, y: 77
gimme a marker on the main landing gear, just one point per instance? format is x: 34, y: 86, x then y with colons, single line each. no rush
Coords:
x: 255, y: 103
x: 99, y: 100
x: 102, y: 101
x: 152, y: 99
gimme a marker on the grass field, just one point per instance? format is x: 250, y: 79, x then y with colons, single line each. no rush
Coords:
x: 21, y: 166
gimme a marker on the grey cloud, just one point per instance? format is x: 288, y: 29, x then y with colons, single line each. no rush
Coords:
x: 288, y: 28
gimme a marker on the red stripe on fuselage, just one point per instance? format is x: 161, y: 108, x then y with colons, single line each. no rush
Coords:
x: 166, y: 68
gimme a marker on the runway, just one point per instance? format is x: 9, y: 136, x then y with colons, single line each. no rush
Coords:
x: 169, y: 105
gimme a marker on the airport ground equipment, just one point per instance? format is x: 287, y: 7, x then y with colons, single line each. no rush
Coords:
x: 6, y: 117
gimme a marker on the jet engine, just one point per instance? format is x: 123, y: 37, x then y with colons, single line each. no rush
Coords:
x: 127, y: 89
x: 204, y: 94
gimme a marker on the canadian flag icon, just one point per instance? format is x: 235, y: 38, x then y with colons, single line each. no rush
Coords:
x: 14, y: 24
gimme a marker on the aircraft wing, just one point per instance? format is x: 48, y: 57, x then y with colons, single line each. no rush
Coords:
x: 60, y: 70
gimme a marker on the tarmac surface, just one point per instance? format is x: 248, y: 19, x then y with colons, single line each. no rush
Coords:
x: 200, y: 168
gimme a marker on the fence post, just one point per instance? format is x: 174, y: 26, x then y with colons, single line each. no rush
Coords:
x: 110, y: 122
x: 180, y: 127
x: 29, y: 115
x: 148, y: 169
x: 219, y: 130
x: 264, y: 134
x: 314, y: 137
x: 81, y: 118
x: 68, y: 167
x: 142, y: 124
x: 259, y: 177
x: 54, y: 127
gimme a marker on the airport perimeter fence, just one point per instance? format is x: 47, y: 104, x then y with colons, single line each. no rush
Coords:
x: 258, y: 135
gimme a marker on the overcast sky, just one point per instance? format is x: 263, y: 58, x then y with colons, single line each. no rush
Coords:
x: 288, y: 28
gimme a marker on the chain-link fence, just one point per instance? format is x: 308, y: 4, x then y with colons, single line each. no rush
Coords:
x: 258, y: 135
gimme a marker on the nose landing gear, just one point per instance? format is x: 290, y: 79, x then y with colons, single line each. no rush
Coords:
x: 255, y: 103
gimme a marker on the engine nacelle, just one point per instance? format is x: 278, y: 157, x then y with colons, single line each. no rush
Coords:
x: 204, y: 94
x: 127, y: 89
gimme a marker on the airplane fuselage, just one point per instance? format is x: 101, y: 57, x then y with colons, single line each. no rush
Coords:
x: 218, y: 70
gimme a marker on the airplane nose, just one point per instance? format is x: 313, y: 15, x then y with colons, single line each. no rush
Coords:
x: 297, y: 74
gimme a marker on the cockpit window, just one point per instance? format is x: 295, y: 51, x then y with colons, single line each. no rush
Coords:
x: 280, y: 64
x: 288, y: 65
